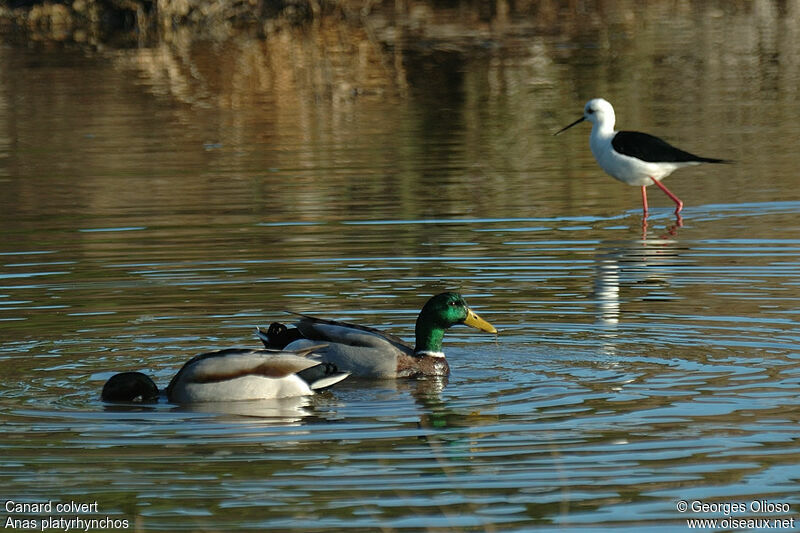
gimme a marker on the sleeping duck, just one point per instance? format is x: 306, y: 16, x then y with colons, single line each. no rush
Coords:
x: 233, y: 374
x: 368, y: 352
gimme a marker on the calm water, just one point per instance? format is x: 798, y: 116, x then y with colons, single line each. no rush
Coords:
x: 158, y: 203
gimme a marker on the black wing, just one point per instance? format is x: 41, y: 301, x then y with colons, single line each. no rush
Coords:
x: 654, y: 150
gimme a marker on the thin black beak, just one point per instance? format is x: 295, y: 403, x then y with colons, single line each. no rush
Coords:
x: 568, y: 127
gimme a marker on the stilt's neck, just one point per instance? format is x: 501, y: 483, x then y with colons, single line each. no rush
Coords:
x: 604, y: 127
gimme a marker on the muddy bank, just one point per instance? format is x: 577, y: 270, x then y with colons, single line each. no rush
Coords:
x: 121, y: 23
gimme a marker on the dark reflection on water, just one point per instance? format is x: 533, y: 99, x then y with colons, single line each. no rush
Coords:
x: 158, y: 203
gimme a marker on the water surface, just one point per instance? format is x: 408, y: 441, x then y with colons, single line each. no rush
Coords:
x: 148, y: 216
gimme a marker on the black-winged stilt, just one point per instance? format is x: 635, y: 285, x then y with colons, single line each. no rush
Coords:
x: 633, y: 157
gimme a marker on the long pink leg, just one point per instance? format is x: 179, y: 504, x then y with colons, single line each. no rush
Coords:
x: 644, y: 200
x: 674, y: 198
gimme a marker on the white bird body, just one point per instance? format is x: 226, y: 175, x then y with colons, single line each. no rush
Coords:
x: 626, y: 169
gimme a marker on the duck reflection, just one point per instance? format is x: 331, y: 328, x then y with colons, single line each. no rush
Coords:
x: 438, y: 419
x: 278, y: 411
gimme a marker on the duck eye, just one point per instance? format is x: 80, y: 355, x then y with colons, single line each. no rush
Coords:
x: 590, y: 110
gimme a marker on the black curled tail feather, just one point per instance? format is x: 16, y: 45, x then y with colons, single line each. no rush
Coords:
x: 278, y: 336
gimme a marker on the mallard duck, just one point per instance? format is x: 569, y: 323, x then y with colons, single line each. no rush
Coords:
x: 242, y: 374
x: 129, y: 387
x: 232, y: 374
x: 368, y: 352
